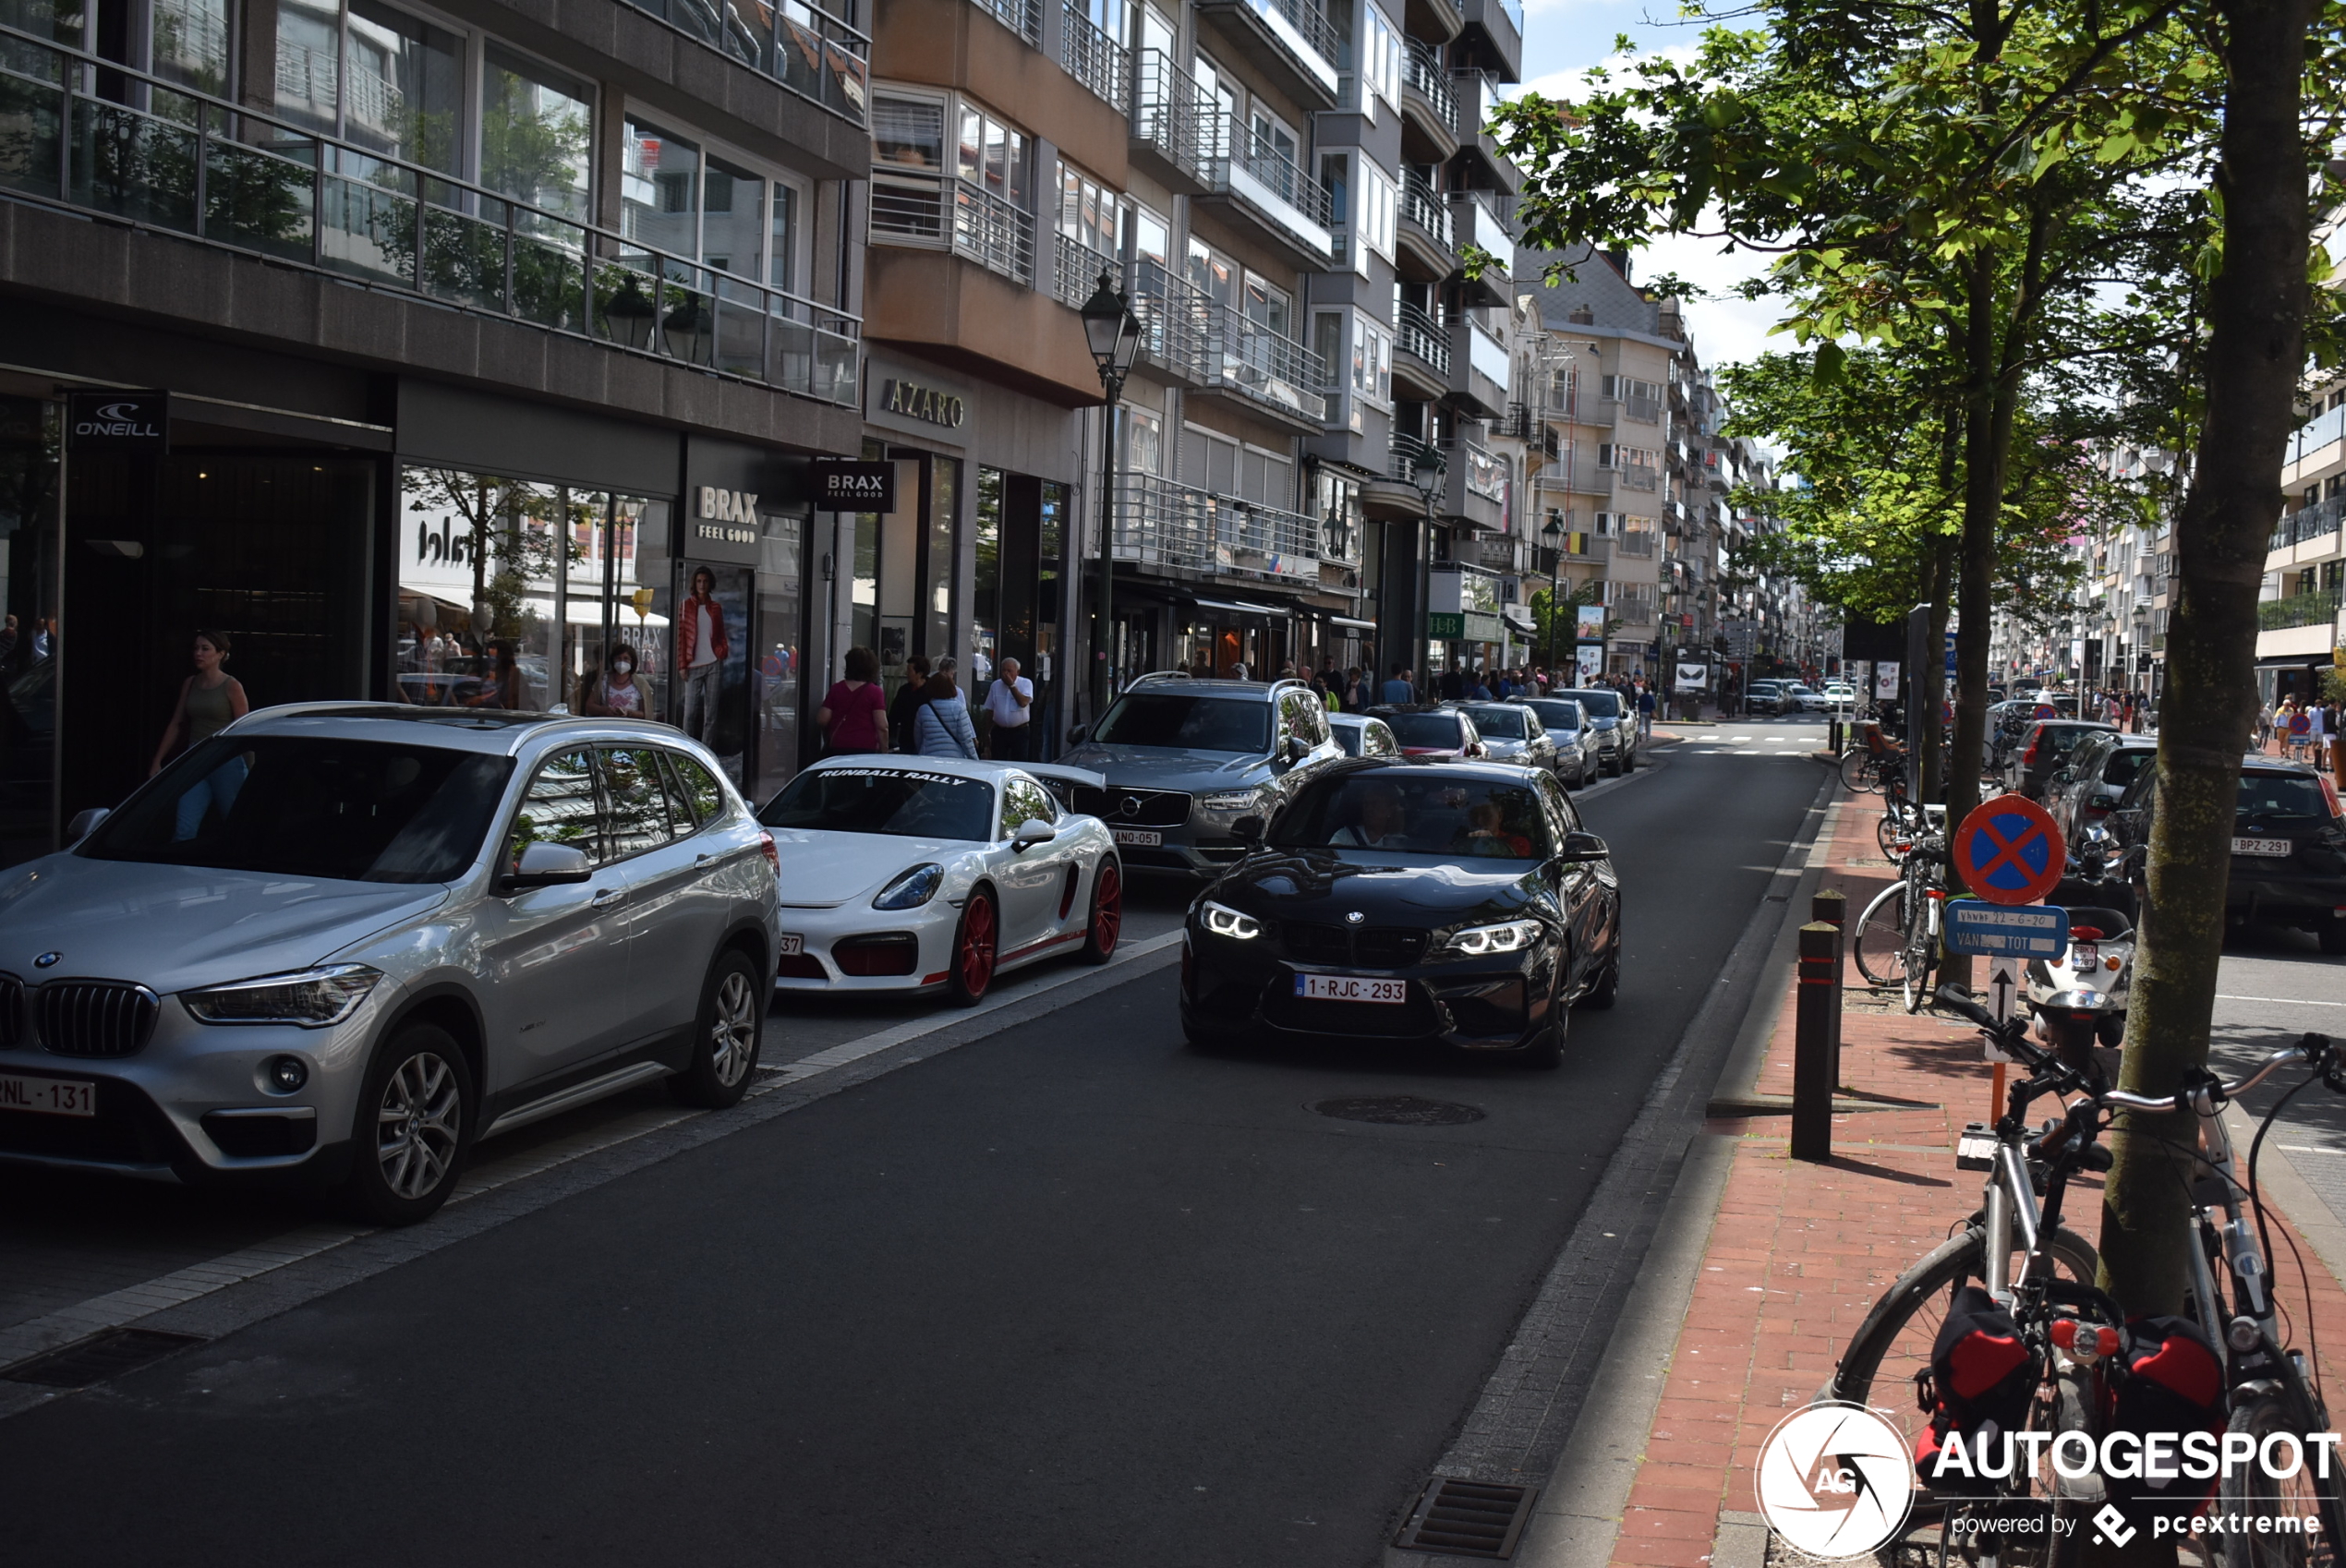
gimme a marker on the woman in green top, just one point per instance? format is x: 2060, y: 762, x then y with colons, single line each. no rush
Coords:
x: 209, y: 701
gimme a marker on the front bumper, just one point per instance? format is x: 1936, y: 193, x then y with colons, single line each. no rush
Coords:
x: 1193, y: 848
x: 191, y: 1104
x: 1490, y: 1004
x: 821, y: 965
x: 2308, y: 901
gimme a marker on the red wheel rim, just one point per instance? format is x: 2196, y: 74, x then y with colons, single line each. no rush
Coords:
x: 1108, y: 908
x: 977, y: 945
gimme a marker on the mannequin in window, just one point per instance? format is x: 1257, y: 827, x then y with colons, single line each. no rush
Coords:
x: 701, y: 648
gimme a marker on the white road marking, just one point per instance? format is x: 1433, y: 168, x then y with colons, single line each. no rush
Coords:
x: 2294, y: 1001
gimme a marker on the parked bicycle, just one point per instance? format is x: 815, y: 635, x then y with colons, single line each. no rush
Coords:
x: 1896, y: 947
x: 2079, y: 1360
x: 1901, y: 821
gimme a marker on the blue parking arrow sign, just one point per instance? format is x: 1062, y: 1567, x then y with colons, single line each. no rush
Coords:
x: 2019, y: 931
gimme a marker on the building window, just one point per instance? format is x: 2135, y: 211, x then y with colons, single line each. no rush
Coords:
x: 703, y: 206
x: 1380, y: 60
x: 989, y: 217
x: 1371, y: 361
x: 537, y: 134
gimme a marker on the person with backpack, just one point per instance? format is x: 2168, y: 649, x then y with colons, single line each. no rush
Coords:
x: 941, y: 725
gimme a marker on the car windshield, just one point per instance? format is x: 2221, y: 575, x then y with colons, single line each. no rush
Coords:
x: 1600, y: 705
x: 1415, y: 814
x: 1197, y: 724
x: 2273, y: 797
x: 2062, y: 739
x: 1429, y: 732
x: 893, y: 800
x: 1557, y: 714
x: 303, y: 806
x: 1506, y: 723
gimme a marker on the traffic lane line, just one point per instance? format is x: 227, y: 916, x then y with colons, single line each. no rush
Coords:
x: 184, y: 1286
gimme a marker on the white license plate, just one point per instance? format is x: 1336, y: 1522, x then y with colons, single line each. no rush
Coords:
x: 793, y: 944
x: 2084, y: 956
x: 50, y: 1096
x: 1350, y: 988
x: 2262, y: 847
x: 1139, y: 838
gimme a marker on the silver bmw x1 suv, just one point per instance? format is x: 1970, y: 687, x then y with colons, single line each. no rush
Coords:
x: 342, y: 942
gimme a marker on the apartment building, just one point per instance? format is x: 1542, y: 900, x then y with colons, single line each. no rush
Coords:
x: 2305, y: 570
x: 489, y: 333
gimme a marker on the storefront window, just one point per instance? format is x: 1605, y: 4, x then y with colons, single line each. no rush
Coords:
x: 945, y: 476
x: 27, y: 677
x: 985, y: 610
x: 781, y: 604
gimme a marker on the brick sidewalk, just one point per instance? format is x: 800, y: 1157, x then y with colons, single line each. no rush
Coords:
x: 1799, y: 1252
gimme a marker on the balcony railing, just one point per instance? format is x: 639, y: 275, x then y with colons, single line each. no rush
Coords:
x: 1160, y: 522
x: 810, y: 52
x: 2317, y: 609
x: 1421, y: 206
x: 1076, y: 272
x: 1302, y: 30
x: 1258, y: 173
x: 1422, y: 74
x: 248, y: 182
x: 1405, y: 454
x: 2309, y: 523
x: 1176, y: 321
x: 1176, y: 116
x: 1023, y: 18
x: 1486, y: 354
x: 1250, y: 359
x: 935, y: 210
x: 1482, y: 474
x: 1093, y: 58
x: 1416, y: 332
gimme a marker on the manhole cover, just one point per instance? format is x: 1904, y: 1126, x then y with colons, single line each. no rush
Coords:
x: 1399, y: 1109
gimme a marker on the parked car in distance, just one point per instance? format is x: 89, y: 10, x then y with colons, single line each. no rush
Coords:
x: 1184, y: 758
x: 2094, y: 780
x: 1512, y: 732
x: 1574, y: 738
x: 1362, y: 736
x: 930, y: 873
x: 1763, y: 696
x: 1434, y: 734
x: 2046, y: 750
x: 2288, y: 848
x: 1492, y: 914
x: 1616, y: 727
x: 341, y: 943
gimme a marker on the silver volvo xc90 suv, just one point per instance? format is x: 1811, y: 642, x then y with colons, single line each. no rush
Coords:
x: 342, y: 942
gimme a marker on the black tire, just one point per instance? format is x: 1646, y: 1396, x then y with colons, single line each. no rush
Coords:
x: 2305, y: 1495
x: 1607, y: 990
x: 1886, y: 833
x: 1546, y: 1053
x: 2333, y: 938
x: 1880, y: 946
x: 728, y: 1031
x: 1628, y: 762
x: 413, y: 1129
x: 1857, y: 770
x: 1894, y: 1342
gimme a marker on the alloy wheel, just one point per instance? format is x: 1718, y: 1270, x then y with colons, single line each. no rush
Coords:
x: 976, y: 957
x: 732, y: 1035
x: 418, y: 1125
x: 1107, y: 908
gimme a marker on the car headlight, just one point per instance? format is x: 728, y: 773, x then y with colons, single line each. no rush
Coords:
x: 910, y: 890
x: 1224, y: 921
x: 1229, y: 803
x: 311, y: 999
x: 1508, y: 936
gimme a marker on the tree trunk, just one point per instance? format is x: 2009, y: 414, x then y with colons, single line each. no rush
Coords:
x: 1986, y: 438
x: 2255, y: 355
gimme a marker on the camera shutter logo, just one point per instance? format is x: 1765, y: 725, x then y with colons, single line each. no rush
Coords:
x: 1835, y: 1480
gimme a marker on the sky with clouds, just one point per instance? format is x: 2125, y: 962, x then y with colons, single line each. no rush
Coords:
x: 1562, y: 40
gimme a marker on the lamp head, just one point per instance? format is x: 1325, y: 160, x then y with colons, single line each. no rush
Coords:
x: 1110, y: 329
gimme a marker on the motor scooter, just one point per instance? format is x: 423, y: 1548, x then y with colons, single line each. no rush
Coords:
x: 2080, y: 997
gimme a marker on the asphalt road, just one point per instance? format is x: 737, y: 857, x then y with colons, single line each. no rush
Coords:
x: 1073, y: 1294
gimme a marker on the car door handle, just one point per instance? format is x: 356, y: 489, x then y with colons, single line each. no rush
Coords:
x: 702, y: 862
x: 609, y: 897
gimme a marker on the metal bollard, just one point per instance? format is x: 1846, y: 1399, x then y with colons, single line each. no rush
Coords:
x: 1813, y: 1063
x: 1836, y: 736
x: 1829, y: 906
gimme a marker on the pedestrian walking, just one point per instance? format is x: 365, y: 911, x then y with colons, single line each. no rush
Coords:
x: 1010, y: 702
x: 1645, y: 705
x: 853, y: 717
x: 1399, y: 689
x: 907, y: 698
x: 2318, y: 725
x: 613, y: 694
x: 941, y: 724
x: 210, y: 700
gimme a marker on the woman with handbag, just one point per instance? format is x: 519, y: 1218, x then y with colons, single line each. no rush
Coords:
x: 941, y: 728
x: 853, y: 717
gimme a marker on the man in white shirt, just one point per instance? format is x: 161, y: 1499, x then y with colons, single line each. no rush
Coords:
x: 1010, y: 702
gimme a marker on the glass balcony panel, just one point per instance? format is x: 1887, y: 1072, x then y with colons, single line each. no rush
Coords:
x: 133, y: 166
x: 464, y: 258
x: 366, y: 231
x: 261, y: 200
x: 31, y: 114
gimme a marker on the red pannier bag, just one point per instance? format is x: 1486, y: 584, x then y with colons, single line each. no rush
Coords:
x: 1977, y: 1389
x: 2168, y: 1378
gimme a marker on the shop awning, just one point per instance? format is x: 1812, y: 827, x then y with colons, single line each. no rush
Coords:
x: 1520, y: 619
x: 1350, y: 623
x: 1231, y: 606
x: 2296, y: 661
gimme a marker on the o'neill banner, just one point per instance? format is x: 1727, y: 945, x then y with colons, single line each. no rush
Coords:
x: 118, y: 421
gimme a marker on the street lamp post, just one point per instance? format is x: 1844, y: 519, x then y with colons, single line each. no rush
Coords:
x: 1426, y: 468
x: 1554, y: 534
x: 1113, y: 333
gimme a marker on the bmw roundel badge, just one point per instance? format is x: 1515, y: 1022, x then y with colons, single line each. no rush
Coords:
x: 45, y: 959
x: 1354, y: 917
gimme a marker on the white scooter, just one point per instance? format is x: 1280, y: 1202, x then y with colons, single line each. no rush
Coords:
x: 2080, y: 999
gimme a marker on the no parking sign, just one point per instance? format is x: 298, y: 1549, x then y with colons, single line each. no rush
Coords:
x: 2008, y: 851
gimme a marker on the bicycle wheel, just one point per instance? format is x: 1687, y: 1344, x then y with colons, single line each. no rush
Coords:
x: 1921, y: 955
x: 1858, y: 770
x: 2303, y: 1509
x: 1880, y: 946
x: 1892, y: 826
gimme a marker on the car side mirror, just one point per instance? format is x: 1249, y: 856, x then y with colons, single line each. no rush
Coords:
x: 85, y: 823
x: 1248, y: 830
x: 1077, y: 734
x: 547, y: 865
x: 1031, y: 832
x: 1581, y: 848
x: 1298, y: 748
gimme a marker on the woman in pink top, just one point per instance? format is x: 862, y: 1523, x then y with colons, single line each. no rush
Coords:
x: 854, y: 713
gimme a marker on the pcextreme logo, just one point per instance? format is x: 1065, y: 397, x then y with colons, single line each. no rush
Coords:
x: 1834, y: 1480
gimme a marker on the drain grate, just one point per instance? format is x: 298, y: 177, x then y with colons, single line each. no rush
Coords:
x: 1467, y: 1519
x: 100, y: 1356
x: 1399, y: 1110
